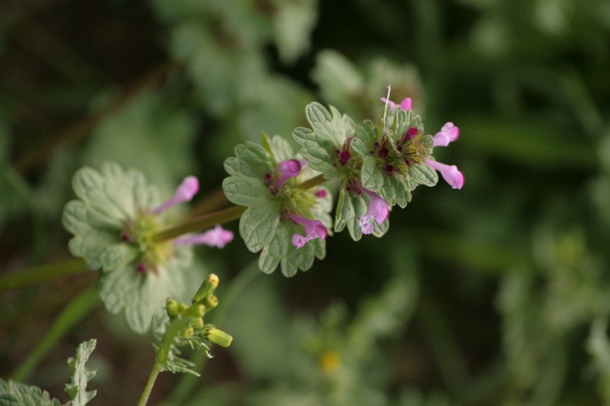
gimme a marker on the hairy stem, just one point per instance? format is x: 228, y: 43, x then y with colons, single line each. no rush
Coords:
x: 42, y: 273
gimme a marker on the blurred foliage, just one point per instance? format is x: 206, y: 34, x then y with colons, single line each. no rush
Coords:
x: 495, y: 294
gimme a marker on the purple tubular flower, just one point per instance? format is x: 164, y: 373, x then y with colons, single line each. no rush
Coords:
x: 289, y: 169
x: 378, y: 210
x: 446, y: 135
x: 313, y: 229
x: 216, y: 237
x: 450, y: 173
x: 184, y: 193
x: 405, y: 104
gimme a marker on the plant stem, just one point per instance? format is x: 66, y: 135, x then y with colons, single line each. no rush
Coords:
x: 149, y: 385
x: 200, y: 223
x: 315, y: 181
x: 41, y: 273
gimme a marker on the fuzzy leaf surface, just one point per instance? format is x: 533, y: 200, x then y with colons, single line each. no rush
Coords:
x: 329, y: 131
x: 81, y: 375
x: 17, y: 394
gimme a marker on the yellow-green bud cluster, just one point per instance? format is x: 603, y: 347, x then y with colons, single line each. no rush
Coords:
x: 203, y: 301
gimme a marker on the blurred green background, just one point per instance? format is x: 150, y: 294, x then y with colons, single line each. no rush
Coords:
x: 497, y: 294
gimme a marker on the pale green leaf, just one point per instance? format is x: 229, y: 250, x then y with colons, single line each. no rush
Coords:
x: 18, y: 394
x: 329, y: 131
x: 81, y: 375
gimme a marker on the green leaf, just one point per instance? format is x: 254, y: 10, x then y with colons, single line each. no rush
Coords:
x: 422, y: 175
x: 329, y: 132
x: 81, y: 375
x: 18, y: 394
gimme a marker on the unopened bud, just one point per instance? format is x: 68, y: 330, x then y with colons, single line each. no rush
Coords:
x: 171, y: 306
x: 196, y: 310
x: 206, y: 289
x: 216, y: 336
x: 210, y: 302
x: 182, y: 307
x: 187, y: 332
x: 197, y: 324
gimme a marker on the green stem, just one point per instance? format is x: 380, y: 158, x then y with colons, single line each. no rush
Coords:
x: 74, y: 312
x: 200, y: 223
x: 41, y: 273
x: 315, y: 181
x: 149, y: 385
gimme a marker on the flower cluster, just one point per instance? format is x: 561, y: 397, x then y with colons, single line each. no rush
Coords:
x: 114, y: 222
x: 378, y: 166
x: 288, y: 223
x: 186, y: 327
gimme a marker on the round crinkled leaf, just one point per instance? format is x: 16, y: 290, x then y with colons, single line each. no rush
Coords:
x: 329, y: 131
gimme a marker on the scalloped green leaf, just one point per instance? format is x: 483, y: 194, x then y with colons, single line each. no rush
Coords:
x: 258, y: 226
x: 17, y: 394
x: 422, y: 175
x: 77, y: 388
x: 329, y: 131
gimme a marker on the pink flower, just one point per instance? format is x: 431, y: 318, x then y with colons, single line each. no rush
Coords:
x: 378, y: 210
x: 313, y: 229
x: 184, y: 193
x: 450, y: 173
x: 446, y: 135
x: 405, y: 104
x: 289, y: 169
x: 216, y: 237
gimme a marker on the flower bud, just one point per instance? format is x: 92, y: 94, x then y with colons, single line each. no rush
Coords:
x: 210, y: 302
x: 188, y: 332
x: 197, y: 324
x: 171, y: 306
x: 216, y: 336
x: 206, y: 289
x: 196, y: 310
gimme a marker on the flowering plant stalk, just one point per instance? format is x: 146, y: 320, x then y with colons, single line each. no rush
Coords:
x: 121, y: 227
